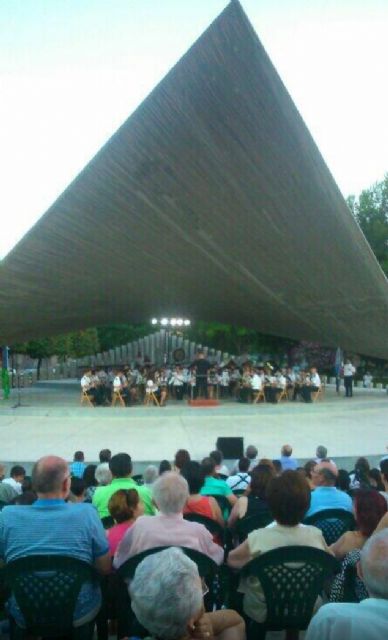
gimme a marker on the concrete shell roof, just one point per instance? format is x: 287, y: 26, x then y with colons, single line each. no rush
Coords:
x: 211, y: 201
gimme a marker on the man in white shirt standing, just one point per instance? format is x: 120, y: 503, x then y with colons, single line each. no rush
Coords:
x: 349, y: 371
x: 367, y: 620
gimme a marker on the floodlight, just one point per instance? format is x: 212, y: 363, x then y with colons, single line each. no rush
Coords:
x: 173, y: 322
x: 154, y: 321
x: 164, y: 322
x: 179, y: 322
x: 187, y: 323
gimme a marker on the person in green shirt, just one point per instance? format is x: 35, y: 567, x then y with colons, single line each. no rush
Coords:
x: 214, y: 486
x: 120, y: 466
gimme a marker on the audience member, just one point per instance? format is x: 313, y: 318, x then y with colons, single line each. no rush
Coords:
x: 124, y: 507
x: 202, y: 505
x: 288, y: 497
x: 105, y: 455
x: 168, y: 527
x: 287, y: 462
x: 16, y: 479
x: 90, y: 481
x: 78, y: 465
x: 164, y: 466
x: 120, y: 466
x: 241, y: 480
x: 77, y: 490
x: 384, y: 478
x: 366, y: 620
x: 50, y: 526
x: 343, y: 480
x: 359, y: 478
x: 255, y: 503
x: 321, y: 455
x: 167, y: 599
x: 150, y: 475
x: 369, y: 508
x: 251, y: 453
x: 375, y: 479
x: 325, y: 494
x: 212, y: 485
x: 27, y: 497
x: 103, y: 474
x: 308, y: 469
x: 277, y: 465
x: 217, y: 456
x: 182, y: 457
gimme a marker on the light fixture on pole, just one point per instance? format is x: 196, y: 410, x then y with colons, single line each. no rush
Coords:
x: 168, y: 324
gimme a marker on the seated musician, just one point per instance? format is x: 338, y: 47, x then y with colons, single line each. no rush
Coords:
x: 246, y: 386
x: 300, y: 379
x: 162, y: 383
x: 224, y: 381
x: 277, y: 385
x: 177, y: 381
x: 87, y: 386
x: 120, y: 385
x: 256, y: 384
x: 312, y: 384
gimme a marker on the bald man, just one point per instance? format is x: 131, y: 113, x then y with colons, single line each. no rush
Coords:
x: 52, y: 526
x: 368, y: 619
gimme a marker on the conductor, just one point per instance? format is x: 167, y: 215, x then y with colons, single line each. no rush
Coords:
x: 202, y: 366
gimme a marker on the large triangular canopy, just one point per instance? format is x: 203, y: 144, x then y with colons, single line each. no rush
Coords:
x: 211, y: 201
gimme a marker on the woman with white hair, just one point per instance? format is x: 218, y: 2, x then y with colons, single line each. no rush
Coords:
x: 103, y: 474
x: 167, y: 599
x: 170, y: 494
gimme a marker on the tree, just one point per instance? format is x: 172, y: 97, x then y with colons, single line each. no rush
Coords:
x: 371, y: 213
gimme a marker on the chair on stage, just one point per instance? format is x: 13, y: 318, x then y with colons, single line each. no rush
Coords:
x: 150, y: 396
x: 283, y: 395
x: 86, y: 398
x: 259, y: 396
x: 318, y: 395
x: 117, y: 397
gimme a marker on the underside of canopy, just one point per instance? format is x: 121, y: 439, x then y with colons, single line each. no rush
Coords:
x: 212, y: 201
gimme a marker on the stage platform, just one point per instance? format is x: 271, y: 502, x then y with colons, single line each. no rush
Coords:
x: 51, y: 420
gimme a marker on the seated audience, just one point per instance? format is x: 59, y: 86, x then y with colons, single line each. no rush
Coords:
x: 15, y: 480
x: 343, y: 480
x: 120, y: 466
x: 78, y: 465
x: 164, y: 466
x: 308, y: 470
x: 167, y: 599
x: 182, y: 457
x: 375, y: 479
x: 51, y: 526
x: 369, y: 508
x: 251, y: 453
x: 359, y: 477
x: 255, y: 503
x: 241, y: 480
x: 105, y: 455
x: 124, y: 507
x: 221, y: 468
x: 150, y: 475
x: 214, y: 486
x: 202, y: 505
x: 77, y: 490
x: 321, y: 455
x: 288, y: 499
x: 325, y: 494
x: 287, y: 462
x: 27, y: 497
x: 168, y: 527
x: 366, y: 620
x: 103, y: 474
x: 90, y: 481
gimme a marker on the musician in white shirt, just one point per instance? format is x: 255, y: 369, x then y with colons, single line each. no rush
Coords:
x: 312, y: 383
x: 87, y: 385
x: 349, y: 371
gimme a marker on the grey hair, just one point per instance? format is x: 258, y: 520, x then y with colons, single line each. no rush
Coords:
x: 170, y: 492
x: 164, y: 595
x: 374, y: 565
x: 321, y: 451
x: 103, y: 474
x: 48, y: 474
x: 150, y: 474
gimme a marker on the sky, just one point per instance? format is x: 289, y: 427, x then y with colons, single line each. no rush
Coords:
x: 72, y: 71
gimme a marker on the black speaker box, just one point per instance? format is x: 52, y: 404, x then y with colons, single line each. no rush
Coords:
x: 231, y: 447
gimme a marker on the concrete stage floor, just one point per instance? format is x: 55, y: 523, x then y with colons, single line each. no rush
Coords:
x: 51, y: 420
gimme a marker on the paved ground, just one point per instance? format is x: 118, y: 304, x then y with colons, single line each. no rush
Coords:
x: 51, y: 420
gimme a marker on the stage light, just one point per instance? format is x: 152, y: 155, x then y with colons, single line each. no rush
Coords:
x: 173, y: 322
x: 187, y: 323
x: 154, y: 321
x: 164, y: 322
x: 179, y: 322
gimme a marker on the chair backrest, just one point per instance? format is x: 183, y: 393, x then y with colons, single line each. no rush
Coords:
x: 292, y: 578
x: 207, y: 568
x: 332, y: 522
x: 223, y: 503
x: 46, y: 589
x: 211, y: 525
x: 245, y: 525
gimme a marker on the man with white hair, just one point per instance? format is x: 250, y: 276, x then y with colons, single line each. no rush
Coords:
x: 167, y: 599
x: 368, y: 619
x: 168, y: 528
x: 326, y: 495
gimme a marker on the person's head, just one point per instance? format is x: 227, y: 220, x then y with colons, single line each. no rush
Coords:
x: 217, y: 456
x: 277, y: 465
x: 182, y: 457
x: 375, y: 479
x: 343, y: 480
x: 105, y: 455
x: 261, y: 476
x: 309, y: 467
x: 51, y: 477
x: 251, y: 452
x: 164, y: 466
x: 362, y: 466
x: 79, y: 456
x: 26, y: 498
x: 321, y: 452
x: 103, y: 474
x: 27, y: 484
x: 192, y: 472
x: 288, y: 498
x: 286, y: 450
x: 244, y: 464
x: 18, y: 473
x: 369, y: 508
x: 170, y: 493
x: 125, y: 505
x: 77, y: 488
x: 89, y: 476
x: 166, y: 594
x: 121, y: 465
x: 374, y: 565
x: 324, y: 477
x: 150, y: 474
x: 208, y: 467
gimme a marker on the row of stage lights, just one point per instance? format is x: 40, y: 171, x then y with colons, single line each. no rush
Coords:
x: 171, y: 322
